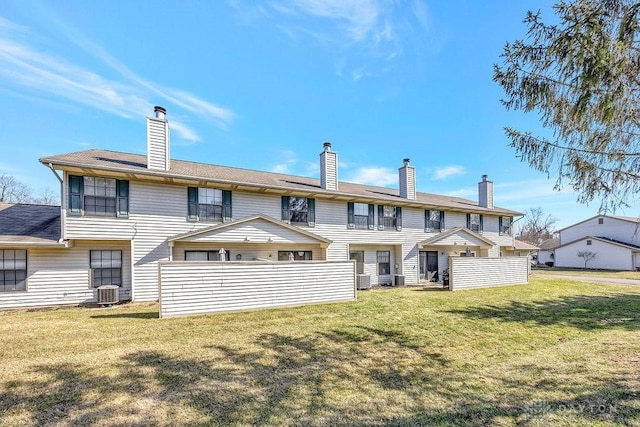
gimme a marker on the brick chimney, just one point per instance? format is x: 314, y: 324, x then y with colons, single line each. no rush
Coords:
x: 407, y: 175
x: 328, y: 168
x: 158, y: 140
x: 485, y: 193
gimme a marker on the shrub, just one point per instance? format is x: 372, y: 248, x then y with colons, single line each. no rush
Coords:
x: 549, y: 263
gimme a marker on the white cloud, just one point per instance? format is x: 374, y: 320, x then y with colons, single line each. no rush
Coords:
x: 51, y: 74
x: 374, y: 175
x: 447, y: 171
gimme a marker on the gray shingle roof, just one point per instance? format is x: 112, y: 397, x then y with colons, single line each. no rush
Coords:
x: 24, y: 223
x: 104, y: 160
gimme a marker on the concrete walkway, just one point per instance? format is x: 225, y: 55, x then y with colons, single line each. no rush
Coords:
x: 591, y: 279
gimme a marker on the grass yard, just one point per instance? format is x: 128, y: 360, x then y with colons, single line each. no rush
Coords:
x: 616, y: 274
x: 554, y: 352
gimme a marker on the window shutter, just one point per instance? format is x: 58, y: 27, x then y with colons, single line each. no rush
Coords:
x: 398, y: 218
x: 481, y: 225
x: 442, y: 220
x: 75, y: 195
x: 192, y: 204
x: 469, y: 221
x: 500, y: 226
x: 427, y: 216
x: 351, y: 219
x: 311, y: 212
x: 122, y: 190
x: 371, y: 220
x: 286, y: 213
x: 380, y: 217
x: 226, y: 206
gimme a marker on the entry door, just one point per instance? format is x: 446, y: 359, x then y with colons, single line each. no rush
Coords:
x: 429, y: 265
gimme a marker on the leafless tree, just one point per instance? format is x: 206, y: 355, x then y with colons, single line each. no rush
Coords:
x: 537, y: 226
x: 587, y: 256
x: 14, y: 191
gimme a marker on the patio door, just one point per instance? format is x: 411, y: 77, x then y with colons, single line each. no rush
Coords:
x: 429, y: 265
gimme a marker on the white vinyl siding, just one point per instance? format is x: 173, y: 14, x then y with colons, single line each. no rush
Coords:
x: 468, y: 273
x: 61, y: 275
x: 159, y: 211
x: 196, y: 287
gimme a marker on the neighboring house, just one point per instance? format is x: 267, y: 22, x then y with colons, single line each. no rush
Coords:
x: 124, y: 213
x: 522, y: 248
x: 545, y: 252
x: 615, y: 241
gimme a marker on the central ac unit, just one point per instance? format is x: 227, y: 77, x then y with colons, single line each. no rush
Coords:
x: 363, y: 281
x: 108, y: 294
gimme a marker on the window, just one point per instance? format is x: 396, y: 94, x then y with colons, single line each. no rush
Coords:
x: 13, y: 270
x: 98, y: 196
x: 474, y: 222
x: 433, y: 220
x: 360, y: 216
x: 588, y: 242
x: 358, y: 256
x: 205, y: 255
x: 600, y: 220
x: 294, y: 256
x: 299, y: 210
x: 389, y: 217
x: 384, y: 262
x: 504, y: 226
x: 208, y: 204
x: 106, y: 267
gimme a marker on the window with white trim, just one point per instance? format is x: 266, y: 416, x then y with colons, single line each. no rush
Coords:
x: 13, y: 270
x: 98, y: 196
x: 383, y: 259
x: 208, y: 204
x: 106, y: 267
x: 505, y: 225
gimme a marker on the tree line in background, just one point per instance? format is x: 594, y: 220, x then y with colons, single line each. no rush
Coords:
x: 14, y: 191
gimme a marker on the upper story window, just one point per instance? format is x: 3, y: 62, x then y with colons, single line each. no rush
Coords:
x: 106, y: 268
x: 504, y: 226
x: 360, y: 215
x: 208, y: 204
x: 389, y: 217
x: 13, y: 270
x: 600, y: 220
x: 98, y: 196
x: 474, y: 222
x: 433, y: 220
x: 588, y: 242
x: 299, y: 210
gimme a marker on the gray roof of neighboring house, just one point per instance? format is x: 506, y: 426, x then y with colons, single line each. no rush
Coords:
x: 126, y: 163
x: 549, y: 244
x: 29, y: 224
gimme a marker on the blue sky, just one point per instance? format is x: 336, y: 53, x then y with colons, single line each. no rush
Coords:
x: 263, y: 84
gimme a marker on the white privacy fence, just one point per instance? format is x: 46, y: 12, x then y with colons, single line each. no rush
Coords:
x: 472, y: 272
x: 188, y: 288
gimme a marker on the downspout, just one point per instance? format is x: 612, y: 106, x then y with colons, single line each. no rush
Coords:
x: 62, y: 217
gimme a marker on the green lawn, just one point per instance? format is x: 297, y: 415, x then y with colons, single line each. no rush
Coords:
x: 618, y: 274
x: 553, y: 352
